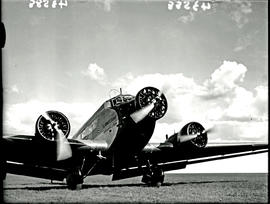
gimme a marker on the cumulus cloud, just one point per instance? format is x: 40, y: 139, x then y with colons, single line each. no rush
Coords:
x: 216, y: 98
x: 225, y: 78
x: 238, y: 113
x: 165, y: 82
x: 219, y: 100
x: 20, y: 118
x: 96, y: 73
x: 247, y: 106
x: 237, y: 103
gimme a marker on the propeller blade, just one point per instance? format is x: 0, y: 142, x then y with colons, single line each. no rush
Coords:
x: 142, y: 113
x: 63, y: 149
x: 208, y: 130
x: 186, y: 138
x: 47, y: 117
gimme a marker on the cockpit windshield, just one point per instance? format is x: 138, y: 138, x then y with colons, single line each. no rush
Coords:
x: 120, y: 99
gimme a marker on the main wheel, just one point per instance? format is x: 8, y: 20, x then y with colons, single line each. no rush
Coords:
x: 154, y: 178
x: 158, y: 177
x: 74, y: 181
x: 3, y: 172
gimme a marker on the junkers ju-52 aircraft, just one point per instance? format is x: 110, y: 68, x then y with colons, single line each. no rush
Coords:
x: 114, y: 141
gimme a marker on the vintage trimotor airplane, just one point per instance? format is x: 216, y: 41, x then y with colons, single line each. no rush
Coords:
x: 114, y: 141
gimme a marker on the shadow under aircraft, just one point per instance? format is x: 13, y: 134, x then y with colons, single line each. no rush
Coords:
x: 114, y: 141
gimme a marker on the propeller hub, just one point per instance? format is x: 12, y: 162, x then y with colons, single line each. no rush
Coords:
x: 50, y: 123
x: 151, y: 95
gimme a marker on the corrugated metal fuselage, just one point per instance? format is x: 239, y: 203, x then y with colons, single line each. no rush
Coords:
x: 110, y: 126
x: 113, y: 125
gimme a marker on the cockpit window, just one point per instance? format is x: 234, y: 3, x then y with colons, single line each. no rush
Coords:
x: 120, y: 99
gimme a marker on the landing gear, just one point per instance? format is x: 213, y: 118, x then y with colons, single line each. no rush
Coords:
x: 74, y: 180
x: 154, y: 177
x: 3, y: 172
x: 84, y: 168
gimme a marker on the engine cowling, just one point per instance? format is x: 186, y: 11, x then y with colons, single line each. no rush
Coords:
x: 46, y: 125
x: 150, y: 95
x: 194, y: 128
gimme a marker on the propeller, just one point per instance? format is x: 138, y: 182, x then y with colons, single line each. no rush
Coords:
x: 139, y: 115
x: 63, y: 148
x: 185, y: 138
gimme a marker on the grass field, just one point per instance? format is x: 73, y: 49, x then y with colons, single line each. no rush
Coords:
x: 225, y: 188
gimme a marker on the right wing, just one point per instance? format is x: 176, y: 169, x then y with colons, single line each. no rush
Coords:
x: 24, y: 155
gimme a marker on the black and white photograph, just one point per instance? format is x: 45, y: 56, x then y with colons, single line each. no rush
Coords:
x: 140, y: 101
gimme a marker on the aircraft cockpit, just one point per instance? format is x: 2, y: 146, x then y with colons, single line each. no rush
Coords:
x: 124, y: 104
x: 121, y: 99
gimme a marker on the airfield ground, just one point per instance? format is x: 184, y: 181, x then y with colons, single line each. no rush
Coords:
x: 225, y: 188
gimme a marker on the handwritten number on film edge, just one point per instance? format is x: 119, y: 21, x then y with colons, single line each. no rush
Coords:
x: 188, y: 5
x: 47, y: 3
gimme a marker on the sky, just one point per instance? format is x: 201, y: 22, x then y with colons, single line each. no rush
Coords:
x: 212, y: 66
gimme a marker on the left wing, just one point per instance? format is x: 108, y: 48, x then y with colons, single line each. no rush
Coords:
x: 170, y: 158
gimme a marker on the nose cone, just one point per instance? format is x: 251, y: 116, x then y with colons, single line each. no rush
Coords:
x: 150, y: 102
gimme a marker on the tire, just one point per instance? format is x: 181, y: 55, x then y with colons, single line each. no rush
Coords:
x: 74, y: 181
x: 155, y: 179
x: 147, y: 179
x: 3, y: 172
x: 158, y: 184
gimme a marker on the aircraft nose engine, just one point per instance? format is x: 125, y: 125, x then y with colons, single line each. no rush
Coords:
x: 150, y: 102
